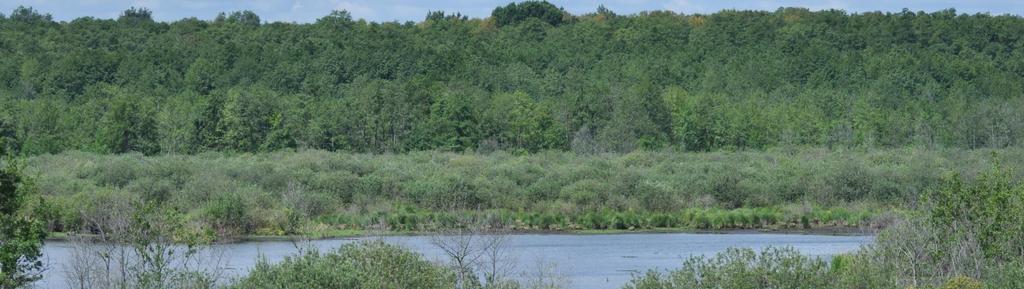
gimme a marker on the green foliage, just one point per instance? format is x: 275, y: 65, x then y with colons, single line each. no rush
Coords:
x: 697, y: 126
x: 450, y: 123
x: 516, y: 121
x: 532, y: 77
x: 315, y: 191
x: 129, y: 125
x: 253, y: 121
x: 159, y: 239
x: 742, y: 269
x: 362, y: 265
x: 21, y: 237
x: 227, y: 214
x: 963, y: 283
x: 136, y: 16
x: 967, y: 234
x: 28, y: 15
x: 515, y: 13
x: 8, y: 140
x: 985, y: 209
x: 245, y: 18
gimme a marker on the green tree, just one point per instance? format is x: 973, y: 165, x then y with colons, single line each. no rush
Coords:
x: 136, y: 16
x: 249, y: 116
x: 129, y: 125
x: 697, y: 121
x: 21, y: 236
x: 9, y: 144
x: 29, y: 15
x: 514, y: 13
x: 175, y: 124
x: 201, y: 76
x: 245, y: 18
x: 451, y: 124
x: 380, y: 115
x: 637, y: 121
x: 516, y: 121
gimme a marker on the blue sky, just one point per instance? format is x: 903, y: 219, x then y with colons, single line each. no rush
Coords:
x: 409, y: 10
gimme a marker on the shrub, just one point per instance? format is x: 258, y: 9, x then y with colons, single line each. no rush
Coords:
x: 363, y: 265
x: 961, y: 282
x: 742, y: 269
x: 227, y: 214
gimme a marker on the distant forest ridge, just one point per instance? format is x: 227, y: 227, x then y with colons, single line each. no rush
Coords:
x: 531, y: 77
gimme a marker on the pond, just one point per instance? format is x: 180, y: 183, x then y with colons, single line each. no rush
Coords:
x: 582, y: 261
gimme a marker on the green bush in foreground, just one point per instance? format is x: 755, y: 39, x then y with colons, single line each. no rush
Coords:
x: 21, y: 237
x: 742, y: 269
x: 364, y: 265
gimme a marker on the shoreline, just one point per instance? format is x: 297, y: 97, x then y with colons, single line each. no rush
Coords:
x: 355, y: 234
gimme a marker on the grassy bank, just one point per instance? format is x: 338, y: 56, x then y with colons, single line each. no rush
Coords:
x: 322, y: 193
x: 789, y: 219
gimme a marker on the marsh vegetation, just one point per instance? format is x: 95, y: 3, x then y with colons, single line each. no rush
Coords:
x: 317, y: 193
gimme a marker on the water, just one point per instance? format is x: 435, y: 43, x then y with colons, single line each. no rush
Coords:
x: 582, y: 261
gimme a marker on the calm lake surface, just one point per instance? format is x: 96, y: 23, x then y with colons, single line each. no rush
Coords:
x: 582, y: 261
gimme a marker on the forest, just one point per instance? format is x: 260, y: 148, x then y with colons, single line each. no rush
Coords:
x: 530, y: 78
x: 162, y: 139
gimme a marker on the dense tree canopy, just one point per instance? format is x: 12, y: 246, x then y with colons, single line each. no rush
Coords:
x: 530, y: 77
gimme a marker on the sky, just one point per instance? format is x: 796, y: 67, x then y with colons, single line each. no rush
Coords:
x: 303, y: 11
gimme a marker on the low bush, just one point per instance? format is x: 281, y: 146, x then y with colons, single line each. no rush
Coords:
x: 363, y: 265
x: 742, y: 269
x: 962, y: 282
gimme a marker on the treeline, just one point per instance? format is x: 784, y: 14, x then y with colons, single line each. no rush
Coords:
x: 318, y: 192
x: 530, y: 77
